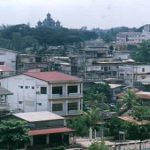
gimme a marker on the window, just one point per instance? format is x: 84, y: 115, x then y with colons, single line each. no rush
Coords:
x: 20, y: 102
x: 143, y: 69
x: 43, y: 90
x: 57, y: 90
x: 73, y: 106
x: 40, y: 104
x: 32, y: 87
x: 20, y: 86
x: 26, y: 87
x: 72, y: 89
x: 1, y: 63
x: 57, y: 107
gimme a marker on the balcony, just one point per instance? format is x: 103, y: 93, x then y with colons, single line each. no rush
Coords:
x: 64, y: 96
x: 4, y: 106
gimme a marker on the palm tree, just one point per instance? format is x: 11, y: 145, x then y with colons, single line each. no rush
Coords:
x: 129, y: 98
x: 91, y: 116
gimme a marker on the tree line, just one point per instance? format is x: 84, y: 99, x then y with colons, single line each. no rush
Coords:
x: 22, y: 36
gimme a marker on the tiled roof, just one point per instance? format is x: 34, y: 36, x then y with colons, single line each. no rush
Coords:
x: 4, y: 91
x: 50, y: 131
x: 4, y: 68
x: 53, y: 76
x: 38, y: 116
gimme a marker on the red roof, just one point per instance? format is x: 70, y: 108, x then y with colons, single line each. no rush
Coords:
x: 4, y: 68
x: 53, y: 76
x: 49, y: 131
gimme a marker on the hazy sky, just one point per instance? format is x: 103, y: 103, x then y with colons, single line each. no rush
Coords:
x: 77, y: 13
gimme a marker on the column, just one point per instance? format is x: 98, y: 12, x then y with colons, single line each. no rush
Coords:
x: 66, y: 107
x: 32, y: 141
x: 47, y: 139
x: 50, y: 91
x: 51, y: 105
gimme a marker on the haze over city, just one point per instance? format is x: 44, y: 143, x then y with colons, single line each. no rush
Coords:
x: 76, y: 13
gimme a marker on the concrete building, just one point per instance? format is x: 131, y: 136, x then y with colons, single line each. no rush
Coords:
x: 133, y: 38
x: 8, y: 58
x: 45, y: 91
x: 46, y: 128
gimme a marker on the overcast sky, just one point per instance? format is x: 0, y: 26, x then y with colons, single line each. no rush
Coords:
x: 77, y: 13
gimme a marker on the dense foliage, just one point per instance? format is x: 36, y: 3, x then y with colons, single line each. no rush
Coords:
x: 96, y: 95
x: 22, y: 36
x: 13, y: 134
x: 132, y: 131
x: 83, y: 123
x: 142, y: 52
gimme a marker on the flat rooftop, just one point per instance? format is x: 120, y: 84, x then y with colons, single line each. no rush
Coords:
x: 38, y: 116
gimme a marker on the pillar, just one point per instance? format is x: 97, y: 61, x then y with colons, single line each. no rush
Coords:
x: 47, y: 139
x: 32, y: 141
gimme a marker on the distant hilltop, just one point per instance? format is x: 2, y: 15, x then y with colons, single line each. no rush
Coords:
x: 49, y: 22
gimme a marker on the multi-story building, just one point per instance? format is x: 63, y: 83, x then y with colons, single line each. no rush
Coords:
x: 45, y: 91
x: 133, y: 38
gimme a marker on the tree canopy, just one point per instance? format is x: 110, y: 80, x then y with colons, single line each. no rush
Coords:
x: 19, y: 37
x: 142, y: 52
x: 13, y: 134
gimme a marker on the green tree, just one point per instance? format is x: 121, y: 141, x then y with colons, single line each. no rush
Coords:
x: 142, y: 52
x: 98, y: 146
x: 86, y: 122
x: 13, y: 134
x: 96, y: 94
x: 130, y: 99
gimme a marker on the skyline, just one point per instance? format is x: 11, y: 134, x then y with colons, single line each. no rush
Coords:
x: 103, y: 14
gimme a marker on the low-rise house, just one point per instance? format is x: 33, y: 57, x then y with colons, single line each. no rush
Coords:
x: 115, y: 89
x: 6, y: 71
x: 45, y: 91
x: 46, y: 128
x: 27, y: 62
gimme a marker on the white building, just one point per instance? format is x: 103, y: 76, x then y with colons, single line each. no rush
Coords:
x: 8, y: 58
x: 45, y: 91
x: 134, y: 72
x: 134, y: 38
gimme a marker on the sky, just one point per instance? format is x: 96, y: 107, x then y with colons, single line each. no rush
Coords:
x: 103, y: 14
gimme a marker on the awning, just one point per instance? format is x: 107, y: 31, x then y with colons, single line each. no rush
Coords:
x: 49, y: 131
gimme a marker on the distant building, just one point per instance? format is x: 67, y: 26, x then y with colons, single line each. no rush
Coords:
x: 8, y: 58
x: 49, y: 22
x: 45, y: 91
x: 133, y: 38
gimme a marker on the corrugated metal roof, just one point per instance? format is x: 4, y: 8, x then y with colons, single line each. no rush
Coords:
x: 53, y: 76
x: 49, y: 131
x: 38, y: 116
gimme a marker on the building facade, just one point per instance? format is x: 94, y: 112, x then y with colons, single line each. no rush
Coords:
x: 45, y: 91
x: 8, y: 58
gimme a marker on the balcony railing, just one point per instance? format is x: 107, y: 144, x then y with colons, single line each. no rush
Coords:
x: 71, y: 95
